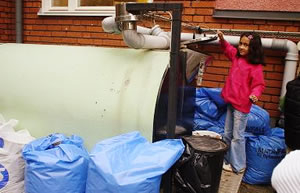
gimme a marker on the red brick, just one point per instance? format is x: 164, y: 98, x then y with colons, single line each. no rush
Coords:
x: 278, y: 68
x: 93, y: 29
x: 39, y: 27
x: 99, y: 35
x: 59, y: 34
x: 274, y: 75
x: 113, y: 36
x: 272, y: 53
x: 210, y: 84
x: 74, y: 34
x: 215, y: 20
x: 86, y: 35
x: 198, y: 18
x: 189, y: 11
x: 187, y: 18
x: 275, y: 99
x: 241, y: 26
x: 98, y: 42
x: 241, y: 21
x: 272, y: 91
x: 268, y: 67
x: 186, y: 4
x: 90, y: 22
x: 111, y: 42
x: 274, y: 113
x: 279, y: 23
x: 78, y: 28
x: 215, y: 56
x: 271, y: 27
x: 265, y: 98
x: 221, y: 63
x: 50, y: 21
x: 65, y: 22
x: 33, y: 38
x: 204, y: 11
x: 212, y: 25
x: 292, y: 29
x: 273, y: 83
x: 85, y: 41
x: 213, y: 77
x: 40, y: 33
x: 54, y: 27
x: 214, y: 70
x: 273, y: 60
x: 227, y: 26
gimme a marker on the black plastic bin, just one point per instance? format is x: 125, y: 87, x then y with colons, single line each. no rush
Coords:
x: 200, y: 167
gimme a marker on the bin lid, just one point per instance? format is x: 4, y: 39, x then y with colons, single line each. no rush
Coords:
x: 206, y: 143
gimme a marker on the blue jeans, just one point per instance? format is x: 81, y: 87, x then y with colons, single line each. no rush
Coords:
x: 234, y: 136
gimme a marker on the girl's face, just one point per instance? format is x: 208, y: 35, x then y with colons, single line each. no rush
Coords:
x: 244, y: 46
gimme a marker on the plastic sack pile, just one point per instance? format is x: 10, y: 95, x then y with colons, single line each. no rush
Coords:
x: 11, y: 161
x: 263, y: 143
x: 210, y: 114
x: 126, y: 163
x: 129, y: 163
x: 56, y: 163
x: 263, y: 155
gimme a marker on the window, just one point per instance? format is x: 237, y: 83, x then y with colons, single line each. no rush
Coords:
x: 82, y: 7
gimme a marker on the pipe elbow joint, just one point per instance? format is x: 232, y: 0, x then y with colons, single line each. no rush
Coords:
x: 139, y: 41
x: 292, y: 53
x: 109, y: 25
x: 289, y: 46
x: 133, y: 39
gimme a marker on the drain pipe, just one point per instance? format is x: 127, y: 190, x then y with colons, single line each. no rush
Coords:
x: 157, y: 39
x: 146, y: 38
x: 291, y: 58
x: 141, y: 37
x: 19, y: 21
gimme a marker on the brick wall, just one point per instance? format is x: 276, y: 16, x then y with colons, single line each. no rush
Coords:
x: 7, y: 21
x: 87, y: 31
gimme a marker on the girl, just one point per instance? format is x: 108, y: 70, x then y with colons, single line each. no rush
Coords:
x: 244, y: 85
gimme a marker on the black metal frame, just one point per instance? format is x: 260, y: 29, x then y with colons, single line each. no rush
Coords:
x: 176, y: 9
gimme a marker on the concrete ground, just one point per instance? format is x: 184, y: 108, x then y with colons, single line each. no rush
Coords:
x: 248, y: 188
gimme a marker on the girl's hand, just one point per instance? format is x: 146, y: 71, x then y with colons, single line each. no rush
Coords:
x: 220, y: 35
x: 253, y: 98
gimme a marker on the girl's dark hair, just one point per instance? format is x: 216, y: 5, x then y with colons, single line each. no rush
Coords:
x: 256, y: 53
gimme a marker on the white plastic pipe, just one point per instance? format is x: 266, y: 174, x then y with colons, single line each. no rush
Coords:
x: 157, y: 39
x: 109, y: 25
x: 142, y: 41
x: 139, y: 39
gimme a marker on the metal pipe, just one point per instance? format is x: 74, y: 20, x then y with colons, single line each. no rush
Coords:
x: 19, y: 21
x: 176, y: 9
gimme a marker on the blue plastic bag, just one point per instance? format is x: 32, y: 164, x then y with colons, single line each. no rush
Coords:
x: 263, y: 153
x: 210, y: 103
x: 130, y: 164
x: 258, y: 121
x: 55, y: 164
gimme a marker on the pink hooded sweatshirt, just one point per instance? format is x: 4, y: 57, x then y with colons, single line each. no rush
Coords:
x: 244, y: 79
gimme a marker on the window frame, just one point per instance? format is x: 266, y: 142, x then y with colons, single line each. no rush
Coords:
x: 74, y: 9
